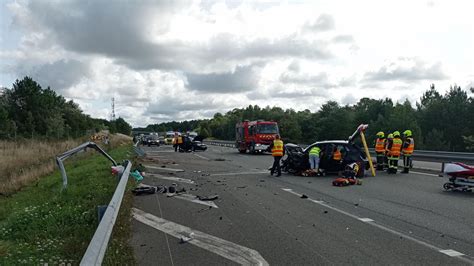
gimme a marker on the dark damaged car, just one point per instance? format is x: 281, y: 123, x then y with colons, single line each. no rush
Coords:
x: 296, y: 159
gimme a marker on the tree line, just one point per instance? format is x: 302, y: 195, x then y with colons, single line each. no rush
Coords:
x: 29, y: 111
x: 439, y: 122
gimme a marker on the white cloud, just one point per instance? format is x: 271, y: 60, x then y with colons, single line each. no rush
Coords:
x: 176, y: 60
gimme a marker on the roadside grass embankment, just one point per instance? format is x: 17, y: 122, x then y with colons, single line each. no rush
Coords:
x: 24, y: 162
x: 44, y: 224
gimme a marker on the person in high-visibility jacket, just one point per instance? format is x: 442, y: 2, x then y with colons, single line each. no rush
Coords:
x: 278, y: 151
x: 314, y: 154
x: 407, y: 150
x: 388, y: 142
x: 337, y: 159
x: 380, y: 150
x: 394, y: 148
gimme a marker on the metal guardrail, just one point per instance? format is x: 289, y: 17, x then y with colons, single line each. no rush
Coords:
x: 98, y: 246
x: 138, y: 150
x: 420, y: 155
x: 78, y: 149
x: 225, y: 143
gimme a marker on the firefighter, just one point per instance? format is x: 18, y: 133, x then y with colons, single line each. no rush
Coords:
x: 180, y: 143
x: 337, y: 158
x: 394, y: 152
x: 380, y: 150
x: 175, y: 141
x: 407, y: 150
x: 388, y: 141
x: 277, y: 152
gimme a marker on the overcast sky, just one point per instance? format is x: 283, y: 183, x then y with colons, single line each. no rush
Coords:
x: 180, y: 60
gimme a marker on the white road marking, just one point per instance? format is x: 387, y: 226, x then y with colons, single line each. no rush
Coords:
x: 192, y: 198
x: 465, y: 259
x: 172, y: 178
x: 165, y: 169
x: 367, y: 220
x: 159, y: 151
x: 234, y: 252
x: 451, y: 253
x: 202, y: 157
x: 421, y: 173
x: 241, y: 173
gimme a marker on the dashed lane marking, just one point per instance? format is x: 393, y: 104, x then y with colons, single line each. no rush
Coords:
x: 172, y: 178
x: 202, y: 157
x: 451, y: 253
x: 367, y: 220
x: 164, y: 169
x: 234, y: 252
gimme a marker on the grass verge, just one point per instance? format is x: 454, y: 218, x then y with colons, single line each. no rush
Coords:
x: 42, y: 224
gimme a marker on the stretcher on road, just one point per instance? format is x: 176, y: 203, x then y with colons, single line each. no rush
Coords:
x: 461, y: 177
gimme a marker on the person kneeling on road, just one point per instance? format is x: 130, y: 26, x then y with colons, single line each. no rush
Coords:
x: 277, y: 152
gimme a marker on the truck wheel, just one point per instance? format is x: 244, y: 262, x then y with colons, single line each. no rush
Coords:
x: 242, y: 151
x: 252, y: 148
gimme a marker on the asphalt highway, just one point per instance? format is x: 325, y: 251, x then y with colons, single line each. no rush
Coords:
x: 258, y: 219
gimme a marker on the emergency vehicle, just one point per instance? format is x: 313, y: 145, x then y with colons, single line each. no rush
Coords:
x: 255, y: 136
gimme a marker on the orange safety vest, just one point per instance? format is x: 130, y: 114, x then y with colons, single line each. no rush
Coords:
x: 396, y: 147
x: 337, y: 156
x: 277, y: 149
x: 380, y: 145
x: 410, y: 148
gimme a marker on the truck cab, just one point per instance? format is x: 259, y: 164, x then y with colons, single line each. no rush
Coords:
x: 255, y: 136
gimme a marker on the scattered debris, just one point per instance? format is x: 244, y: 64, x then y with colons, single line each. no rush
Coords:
x: 205, y: 174
x: 220, y: 218
x: 356, y: 204
x: 303, y: 196
x: 185, y: 239
x: 219, y: 159
x: 261, y: 180
x: 136, y: 174
x: 208, y: 198
x: 117, y: 170
x: 310, y: 172
x: 325, y: 211
x: 242, y: 187
x: 342, y: 182
x: 144, y: 190
x: 163, y: 166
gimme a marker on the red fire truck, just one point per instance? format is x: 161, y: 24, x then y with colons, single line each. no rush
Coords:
x: 254, y: 136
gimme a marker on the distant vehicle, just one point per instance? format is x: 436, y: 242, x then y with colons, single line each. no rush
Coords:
x: 296, y: 159
x: 152, y: 140
x: 169, y: 137
x: 255, y: 136
x: 193, y: 144
x: 161, y: 140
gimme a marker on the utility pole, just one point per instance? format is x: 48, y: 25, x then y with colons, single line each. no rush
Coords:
x: 113, y: 109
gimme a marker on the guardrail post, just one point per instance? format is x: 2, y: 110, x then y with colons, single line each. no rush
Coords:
x: 100, y: 211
